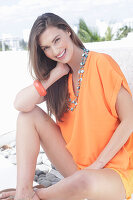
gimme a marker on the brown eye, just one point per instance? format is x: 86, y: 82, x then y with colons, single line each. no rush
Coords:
x: 57, y: 39
x: 45, y: 48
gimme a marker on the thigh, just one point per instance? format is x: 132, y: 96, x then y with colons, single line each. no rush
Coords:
x: 52, y: 141
x: 104, y: 184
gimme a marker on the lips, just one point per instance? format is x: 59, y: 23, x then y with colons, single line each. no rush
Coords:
x: 61, y: 54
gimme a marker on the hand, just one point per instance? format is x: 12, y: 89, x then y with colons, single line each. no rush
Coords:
x: 59, y: 71
x: 12, y: 195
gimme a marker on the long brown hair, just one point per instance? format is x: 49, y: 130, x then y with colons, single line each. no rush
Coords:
x: 57, y: 94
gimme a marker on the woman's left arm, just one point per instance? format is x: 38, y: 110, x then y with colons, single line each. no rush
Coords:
x: 124, y: 109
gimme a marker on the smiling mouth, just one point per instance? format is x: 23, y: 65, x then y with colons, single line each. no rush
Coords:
x: 62, y: 54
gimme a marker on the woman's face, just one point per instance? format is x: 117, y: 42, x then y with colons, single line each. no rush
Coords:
x: 56, y: 44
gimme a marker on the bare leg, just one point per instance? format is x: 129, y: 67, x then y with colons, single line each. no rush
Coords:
x: 32, y: 128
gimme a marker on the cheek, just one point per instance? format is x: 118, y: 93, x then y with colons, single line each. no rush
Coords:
x: 64, y: 43
x: 69, y: 44
x: 48, y: 54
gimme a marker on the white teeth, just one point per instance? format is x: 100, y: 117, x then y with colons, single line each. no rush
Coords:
x: 61, y: 54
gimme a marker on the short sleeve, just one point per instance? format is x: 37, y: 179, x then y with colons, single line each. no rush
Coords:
x: 111, y: 78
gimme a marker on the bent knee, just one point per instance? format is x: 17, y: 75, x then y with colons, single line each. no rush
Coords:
x: 80, y: 183
x: 85, y: 182
x: 31, y: 115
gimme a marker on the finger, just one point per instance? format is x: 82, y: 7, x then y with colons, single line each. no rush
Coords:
x: 4, y: 195
x: 11, y: 197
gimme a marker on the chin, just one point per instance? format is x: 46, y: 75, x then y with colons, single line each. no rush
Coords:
x: 63, y: 61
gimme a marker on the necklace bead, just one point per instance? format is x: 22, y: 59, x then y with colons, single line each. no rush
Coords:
x: 80, y: 73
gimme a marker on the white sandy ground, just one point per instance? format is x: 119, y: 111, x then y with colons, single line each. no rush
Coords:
x: 15, y: 76
x: 8, y: 174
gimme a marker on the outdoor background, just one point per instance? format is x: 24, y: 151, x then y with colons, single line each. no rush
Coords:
x: 104, y: 26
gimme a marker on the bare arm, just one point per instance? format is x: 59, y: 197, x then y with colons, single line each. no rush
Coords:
x: 28, y: 97
x: 124, y: 108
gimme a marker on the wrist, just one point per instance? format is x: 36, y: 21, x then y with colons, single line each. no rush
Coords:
x: 45, y: 84
x: 99, y: 163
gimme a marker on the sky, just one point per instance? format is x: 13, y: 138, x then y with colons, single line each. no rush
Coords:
x: 17, y: 15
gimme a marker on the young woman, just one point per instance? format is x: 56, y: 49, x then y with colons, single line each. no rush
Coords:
x: 91, y: 142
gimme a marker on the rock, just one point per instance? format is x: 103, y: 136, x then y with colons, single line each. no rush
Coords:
x: 42, y: 175
x: 43, y: 167
x: 56, y: 179
x: 5, y: 147
x: 44, y: 158
x: 50, y: 176
x: 46, y: 183
x: 47, y: 162
x: 53, y: 167
x: 35, y: 178
x: 39, y: 172
x: 56, y: 173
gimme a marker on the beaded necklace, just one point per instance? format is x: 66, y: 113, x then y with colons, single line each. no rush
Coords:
x: 80, y: 73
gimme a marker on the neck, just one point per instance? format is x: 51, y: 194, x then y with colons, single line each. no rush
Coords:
x: 74, y: 63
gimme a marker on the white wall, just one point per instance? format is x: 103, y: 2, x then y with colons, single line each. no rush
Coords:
x: 13, y: 77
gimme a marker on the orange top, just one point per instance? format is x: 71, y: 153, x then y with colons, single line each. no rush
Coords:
x: 88, y: 129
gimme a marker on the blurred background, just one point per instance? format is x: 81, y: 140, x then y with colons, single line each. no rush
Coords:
x: 103, y: 26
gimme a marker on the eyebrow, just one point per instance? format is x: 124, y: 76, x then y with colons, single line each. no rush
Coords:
x: 52, y: 40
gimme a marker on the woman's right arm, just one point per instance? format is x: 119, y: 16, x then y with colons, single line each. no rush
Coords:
x: 27, y: 98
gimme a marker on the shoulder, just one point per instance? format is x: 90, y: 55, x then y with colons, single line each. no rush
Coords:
x: 104, y: 62
x: 101, y: 61
x: 100, y: 57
